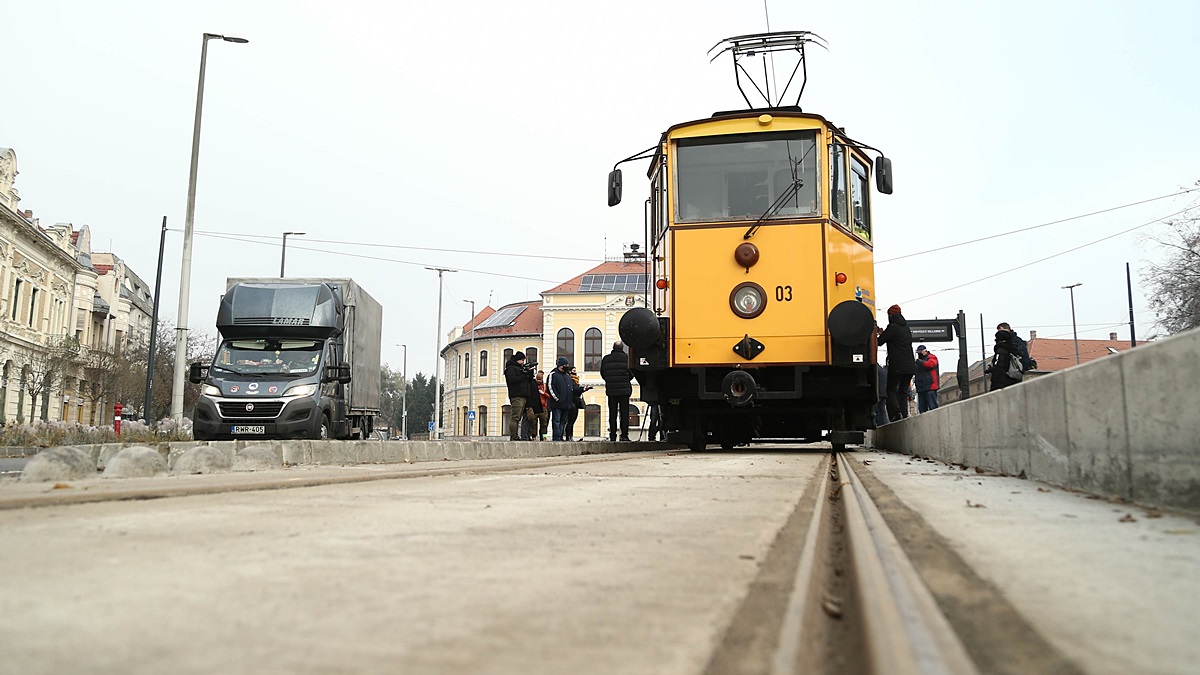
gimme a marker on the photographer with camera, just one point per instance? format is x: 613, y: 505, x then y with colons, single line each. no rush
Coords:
x: 614, y: 368
x: 518, y: 378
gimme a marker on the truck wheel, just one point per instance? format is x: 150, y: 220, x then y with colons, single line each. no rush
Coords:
x: 325, y: 426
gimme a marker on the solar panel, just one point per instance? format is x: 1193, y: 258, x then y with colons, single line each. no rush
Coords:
x: 601, y: 283
x: 504, y: 317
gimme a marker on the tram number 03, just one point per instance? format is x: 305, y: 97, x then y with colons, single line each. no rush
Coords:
x: 783, y: 293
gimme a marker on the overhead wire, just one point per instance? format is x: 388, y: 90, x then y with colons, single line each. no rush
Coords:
x: 398, y: 246
x: 1034, y: 227
x: 371, y: 257
x: 1049, y: 257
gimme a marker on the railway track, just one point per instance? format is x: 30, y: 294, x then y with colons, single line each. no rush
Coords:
x: 856, y: 604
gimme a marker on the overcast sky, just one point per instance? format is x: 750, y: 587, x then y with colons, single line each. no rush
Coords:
x: 490, y: 127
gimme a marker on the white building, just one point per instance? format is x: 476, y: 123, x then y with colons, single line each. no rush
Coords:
x: 55, y: 300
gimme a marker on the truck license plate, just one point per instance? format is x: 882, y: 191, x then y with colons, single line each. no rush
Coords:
x: 250, y: 430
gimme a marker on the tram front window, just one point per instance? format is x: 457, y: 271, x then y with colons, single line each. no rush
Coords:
x: 739, y: 177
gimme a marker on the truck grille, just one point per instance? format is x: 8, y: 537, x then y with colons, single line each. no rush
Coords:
x: 260, y: 410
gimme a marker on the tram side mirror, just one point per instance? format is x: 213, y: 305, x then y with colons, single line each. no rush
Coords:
x: 197, y: 373
x: 883, y: 175
x: 614, y: 187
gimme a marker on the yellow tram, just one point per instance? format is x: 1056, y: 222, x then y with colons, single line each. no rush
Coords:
x: 761, y: 291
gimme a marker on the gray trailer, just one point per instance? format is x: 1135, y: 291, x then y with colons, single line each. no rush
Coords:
x: 299, y: 358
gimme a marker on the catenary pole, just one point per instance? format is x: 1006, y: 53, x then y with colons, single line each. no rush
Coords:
x: 162, y: 241
x: 1129, y: 290
x: 437, y: 399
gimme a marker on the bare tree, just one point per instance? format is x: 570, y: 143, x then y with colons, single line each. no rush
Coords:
x: 102, y: 371
x: 1174, y: 283
x: 44, y: 371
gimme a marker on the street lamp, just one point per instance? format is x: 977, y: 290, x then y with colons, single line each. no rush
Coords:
x: 404, y: 395
x: 471, y: 374
x: 1071, y: 289
x: 283, y: 251
x: 185, y: 271
x: 437, y: 400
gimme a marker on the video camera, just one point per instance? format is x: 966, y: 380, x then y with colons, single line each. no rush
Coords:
x: 530, y: 365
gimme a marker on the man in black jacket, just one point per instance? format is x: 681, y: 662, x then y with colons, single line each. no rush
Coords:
x: 516, y: 376
x: 901, y: 364
x: 614, y: 368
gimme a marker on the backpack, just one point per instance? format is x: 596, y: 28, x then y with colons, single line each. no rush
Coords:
x: 1015, y: 371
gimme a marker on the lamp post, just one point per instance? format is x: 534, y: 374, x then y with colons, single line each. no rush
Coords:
x: 1075, y: 332
x: 404, y: 394
x: 283, y: 251
x: 437, y: 399
x: 471, y: 374
x: 185, y: 271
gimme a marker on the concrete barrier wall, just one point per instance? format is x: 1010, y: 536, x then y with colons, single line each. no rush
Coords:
x: 385, y: 452
x: 1126, y: 425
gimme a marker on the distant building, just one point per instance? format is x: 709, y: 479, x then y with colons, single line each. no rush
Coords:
x: 57, y: 301
x: 576, y: 319
x: 1051, y: 355
x: 498, y: 335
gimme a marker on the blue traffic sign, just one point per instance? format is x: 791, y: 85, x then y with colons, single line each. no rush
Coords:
x: 470, y: 415
x: 431, y: 426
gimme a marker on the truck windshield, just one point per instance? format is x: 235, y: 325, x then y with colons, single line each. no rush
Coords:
x: 740, y: 177
x: 300, y: 357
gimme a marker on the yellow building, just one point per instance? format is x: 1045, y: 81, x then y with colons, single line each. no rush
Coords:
x: 577, y: 319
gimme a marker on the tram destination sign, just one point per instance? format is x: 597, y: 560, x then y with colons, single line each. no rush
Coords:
x: 932, y: 330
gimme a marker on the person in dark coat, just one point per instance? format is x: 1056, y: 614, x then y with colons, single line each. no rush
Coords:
x: 928, y: 374
x: 1005, y: 351
x: 1019, y: 347
x: 517, y: 377
x: 901, y: 364
x: 881, y: 414
x: 533, y: 410
x: 618, y: 387
x: 562, y: 398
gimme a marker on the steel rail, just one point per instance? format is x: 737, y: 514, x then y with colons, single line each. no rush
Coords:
x: 902, y: 629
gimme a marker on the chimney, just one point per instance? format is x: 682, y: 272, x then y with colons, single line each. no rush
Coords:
x: 1033, y: 335
x: 28, y: 213
x: 1112, y: 336
x: 633, y: 253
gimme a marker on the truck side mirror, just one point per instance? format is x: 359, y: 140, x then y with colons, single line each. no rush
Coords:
x: 197, y: 373
x: 883, y: 175
x: 614, y: 187
x: 339, y: 374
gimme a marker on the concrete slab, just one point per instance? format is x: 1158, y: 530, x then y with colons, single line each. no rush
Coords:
x: 1049, y: 444
x: 1099, y: 441
x: 1162, y: 394
x: 1112, y: 586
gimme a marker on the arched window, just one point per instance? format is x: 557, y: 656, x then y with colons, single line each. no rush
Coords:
x: 466, y: 365
x: 531, y: 354
x: 593, y: 349
x: 635, y: 416
x: 505, y: 417
x: 483, y: 365
x: 565, y: 347
x: 507, y: 357
x: 483, y: 428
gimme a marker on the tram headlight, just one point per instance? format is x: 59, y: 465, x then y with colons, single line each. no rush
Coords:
x: 748, y: 300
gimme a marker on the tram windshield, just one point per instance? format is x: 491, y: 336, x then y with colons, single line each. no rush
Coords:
x: 269, y: 356
x: 743, y: 176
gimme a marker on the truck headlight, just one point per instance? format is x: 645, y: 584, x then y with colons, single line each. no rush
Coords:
x: 210, y: 390
x: 301, y: 390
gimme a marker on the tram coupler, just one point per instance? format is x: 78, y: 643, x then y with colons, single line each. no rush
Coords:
x: 739, y: 388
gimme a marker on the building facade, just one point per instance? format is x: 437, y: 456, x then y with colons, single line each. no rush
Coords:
x: 57, y: 307
x: 576, y: 320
